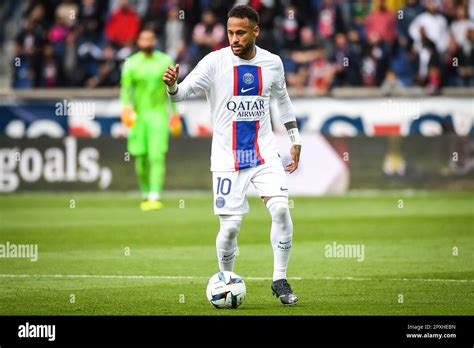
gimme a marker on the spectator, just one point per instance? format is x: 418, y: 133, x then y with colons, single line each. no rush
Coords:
x: 360, y: 12
x: 460, y: 26
x: 70, y: 67
x: 140, y: 6
x: 297, y: 65
x: 369, y: 67
x: 321, y: 73
x: 126, y: 50
x: 348, y: 59
x: 290, y: 26
x: 354, y: 77
x: 391, y: 83
x: 465, y: 71
x: 174, y: 34
x: 411, y: 9
x: 448, y: 9
x: 67, y: 13
x: 433, y: 85
x: 90, y: 18
x: 50, y: 71
x: 208, y: 35
x: 329, y: 23
x: 427, y: 58
x: 40, y: 19
x: 433, y: 25
x: 123, y: 25
x: 379, y: 52
x: 403, y: 61
x: 382, y: 23
x: 59, y: 31
x: 27, y: 55
x: 341, y: 60
x: 108, y: 72
x: 156, y: 18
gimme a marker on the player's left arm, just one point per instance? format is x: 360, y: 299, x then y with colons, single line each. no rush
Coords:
x: 287, y: 117
x: 295, y: 150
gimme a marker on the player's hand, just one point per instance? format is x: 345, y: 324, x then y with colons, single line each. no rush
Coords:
x: 128, y: 116
x: 171, y: 75
x: 295, y: 158
x: 176, y: 126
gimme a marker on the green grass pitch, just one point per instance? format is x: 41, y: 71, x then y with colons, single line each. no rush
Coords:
x: 408, y: 269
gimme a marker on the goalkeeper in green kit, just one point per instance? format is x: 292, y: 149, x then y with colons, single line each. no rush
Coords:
x: 145, y: 107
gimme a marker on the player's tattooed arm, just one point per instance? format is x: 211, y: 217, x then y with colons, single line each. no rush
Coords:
x: 295, y: 147
x: 290, y: 125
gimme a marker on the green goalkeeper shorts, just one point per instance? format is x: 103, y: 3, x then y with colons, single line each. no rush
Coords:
x: 149, y: 136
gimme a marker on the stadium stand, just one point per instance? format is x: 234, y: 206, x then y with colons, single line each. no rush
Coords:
x: 324, y: 43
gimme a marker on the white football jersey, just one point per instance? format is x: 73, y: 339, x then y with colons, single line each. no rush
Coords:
x: 239, y: 91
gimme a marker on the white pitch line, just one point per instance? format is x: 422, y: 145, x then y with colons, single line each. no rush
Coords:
x: 399, y: 279
x: 156, y: 277
x: 105, y: 276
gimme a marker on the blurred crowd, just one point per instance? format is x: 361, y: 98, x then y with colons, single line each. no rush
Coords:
x: 324, y: 44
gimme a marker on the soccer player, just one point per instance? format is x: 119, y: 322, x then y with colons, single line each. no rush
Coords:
x: 239, y: 81
x: 144, y: 109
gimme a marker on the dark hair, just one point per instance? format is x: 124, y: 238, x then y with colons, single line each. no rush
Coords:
x: 244, y: 11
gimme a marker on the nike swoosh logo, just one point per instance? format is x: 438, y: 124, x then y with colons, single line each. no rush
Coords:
x: 244, y: 90
x: 283, y: 189
x: 285, y: 242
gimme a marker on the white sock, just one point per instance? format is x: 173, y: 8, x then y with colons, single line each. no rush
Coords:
x: 153, y: 196
x: 226, y: 241
x: 281, y: 235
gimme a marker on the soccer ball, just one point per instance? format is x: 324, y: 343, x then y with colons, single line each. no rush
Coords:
x: 226, y: 290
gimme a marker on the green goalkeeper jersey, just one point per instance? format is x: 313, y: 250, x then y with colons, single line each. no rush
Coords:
x: 142, y: 86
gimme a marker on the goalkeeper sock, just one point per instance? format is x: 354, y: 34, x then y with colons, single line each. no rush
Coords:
x: 226, y: 241
x: 142, y: 170
x: 153, y: 196
x: 281, y: 235
x: 157, y: 176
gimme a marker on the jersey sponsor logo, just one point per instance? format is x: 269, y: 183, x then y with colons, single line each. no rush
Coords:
x: 220, y: 202
x: 246, y: 109
x: 247, y: 80
x: 245, y: 144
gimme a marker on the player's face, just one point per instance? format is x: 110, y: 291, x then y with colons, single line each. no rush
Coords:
x: 242, y: 34
x: 146, y: 41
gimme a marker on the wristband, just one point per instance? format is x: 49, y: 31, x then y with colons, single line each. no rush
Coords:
x: 172, y: 89
x: 294, y: 135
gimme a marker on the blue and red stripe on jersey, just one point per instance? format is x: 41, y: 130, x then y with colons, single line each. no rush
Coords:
x: 245, y: 144
x: 247, y: 80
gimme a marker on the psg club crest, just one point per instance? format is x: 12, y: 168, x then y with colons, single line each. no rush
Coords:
x: 220, y: 202
x: 248, y: 78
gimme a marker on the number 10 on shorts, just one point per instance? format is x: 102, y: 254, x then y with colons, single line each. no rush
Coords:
x: 223, y: 186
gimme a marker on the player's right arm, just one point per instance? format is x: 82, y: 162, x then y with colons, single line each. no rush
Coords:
x: 200, y: 78
x: 126, y: 89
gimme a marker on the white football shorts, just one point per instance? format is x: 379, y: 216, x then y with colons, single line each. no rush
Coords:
x: 230, y: 188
